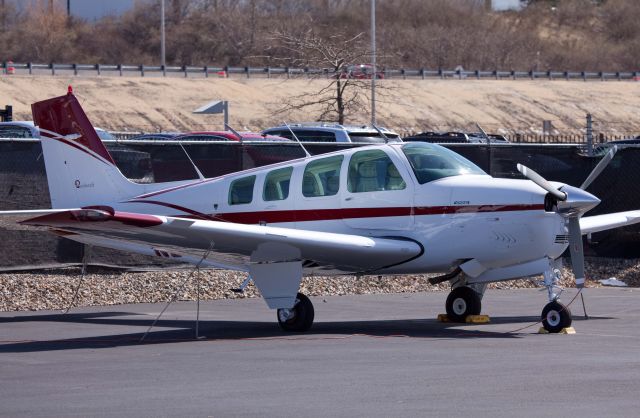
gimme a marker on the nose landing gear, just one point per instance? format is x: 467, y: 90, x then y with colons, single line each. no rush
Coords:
x: 555, y: 316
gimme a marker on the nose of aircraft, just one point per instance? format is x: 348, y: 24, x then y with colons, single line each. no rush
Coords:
x: 578, y: 201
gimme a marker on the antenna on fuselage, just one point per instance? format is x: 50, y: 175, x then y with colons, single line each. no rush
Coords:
x: 386, y: 138
x: 296, y: 138
x: 200, y: 176
x: 487, y: 137
x: 236, y: 133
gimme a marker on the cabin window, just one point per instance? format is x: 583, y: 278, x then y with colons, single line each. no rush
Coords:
x: 276, y: 184
x: 371, y: 171
x: 322, y: 177
x: 241, y: 191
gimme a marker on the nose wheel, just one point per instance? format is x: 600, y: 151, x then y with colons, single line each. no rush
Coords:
x: 555, y: 316
x: 299, y: 318
x: 462, y: 302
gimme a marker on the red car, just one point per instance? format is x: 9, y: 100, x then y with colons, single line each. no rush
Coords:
x: 360, y: 71
x: 227, y: 136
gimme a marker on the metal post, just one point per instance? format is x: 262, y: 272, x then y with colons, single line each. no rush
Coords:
x: 589, y: 135
x: 6, y: 115
x: 225, y: 110
x: 373, y: 62
x: 162, y: 37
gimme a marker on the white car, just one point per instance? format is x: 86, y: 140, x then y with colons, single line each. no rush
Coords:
x: 19, y: 129
x: 27, y: 129
x: 333, y: 132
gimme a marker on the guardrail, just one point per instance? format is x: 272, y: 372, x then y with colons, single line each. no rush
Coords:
x: 290, y: 72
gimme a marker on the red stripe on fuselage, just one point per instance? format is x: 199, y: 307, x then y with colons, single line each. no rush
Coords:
x: 309, y: 215
x: 78, y: 147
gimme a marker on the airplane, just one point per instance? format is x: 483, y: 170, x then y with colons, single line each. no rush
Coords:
x: 385, y: 209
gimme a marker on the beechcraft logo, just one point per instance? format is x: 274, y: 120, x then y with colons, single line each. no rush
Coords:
x: 80, y: 185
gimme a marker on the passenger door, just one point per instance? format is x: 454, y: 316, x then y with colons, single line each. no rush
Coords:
x: 378, y: 193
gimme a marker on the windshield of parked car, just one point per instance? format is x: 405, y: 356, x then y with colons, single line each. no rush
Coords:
x: 432, y: 162
x: 15, y: 131
x: 373, y: 137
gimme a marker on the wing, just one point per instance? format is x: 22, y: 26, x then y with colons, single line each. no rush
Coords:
x: 609, y: 221
x: 232, y: 244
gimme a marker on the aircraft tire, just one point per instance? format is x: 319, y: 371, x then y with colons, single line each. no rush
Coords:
x: 462, y: 302
x: 301, y: 318
x: 556, y: 316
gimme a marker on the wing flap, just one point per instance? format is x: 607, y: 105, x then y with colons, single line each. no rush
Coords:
x: 599, y: 223
x: 237, y: 243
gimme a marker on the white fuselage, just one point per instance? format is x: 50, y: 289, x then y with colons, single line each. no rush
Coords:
x: 497, y: 222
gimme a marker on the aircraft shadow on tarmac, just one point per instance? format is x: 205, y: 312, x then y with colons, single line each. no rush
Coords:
x: 183, y: 331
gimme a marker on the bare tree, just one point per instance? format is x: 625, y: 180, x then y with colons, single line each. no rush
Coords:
x: 342, y: 93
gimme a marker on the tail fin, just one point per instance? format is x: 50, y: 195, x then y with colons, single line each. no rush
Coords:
x: 80, y: 170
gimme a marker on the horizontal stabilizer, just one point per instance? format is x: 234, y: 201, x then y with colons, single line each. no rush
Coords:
x: 32, y: 212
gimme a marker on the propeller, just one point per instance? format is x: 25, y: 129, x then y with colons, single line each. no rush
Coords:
x: 540, y: 181
x: 604, y: 162
x: 573, y: 203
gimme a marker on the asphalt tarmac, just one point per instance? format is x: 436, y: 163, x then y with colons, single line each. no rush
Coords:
x: 366, y: 356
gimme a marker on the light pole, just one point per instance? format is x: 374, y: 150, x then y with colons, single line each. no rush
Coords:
x: 162, y: 49
x: 373, y: 62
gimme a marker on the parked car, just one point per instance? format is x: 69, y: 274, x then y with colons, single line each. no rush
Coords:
x: 158, y: 136
x: 445, y: 138
x: 228, y: 136
x: 360, y: 71
x: 27, y: 129
x: 19, y: 129
x: 494, y: 138
x: 105, y: 135
x: 333, y: 132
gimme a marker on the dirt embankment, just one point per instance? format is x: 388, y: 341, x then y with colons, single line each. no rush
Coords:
x: 154, y: 103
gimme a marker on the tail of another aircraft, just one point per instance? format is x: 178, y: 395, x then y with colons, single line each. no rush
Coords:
x: 80, y: 170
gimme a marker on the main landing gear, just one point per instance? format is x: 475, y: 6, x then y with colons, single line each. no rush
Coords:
x: 299, y: 318
x: 462, y: 302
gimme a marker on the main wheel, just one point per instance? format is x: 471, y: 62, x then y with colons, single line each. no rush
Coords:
x: 555, y: 316
x: 462, y: 302
x: 299, y: 318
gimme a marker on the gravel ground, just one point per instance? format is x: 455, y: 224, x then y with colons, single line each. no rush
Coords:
x: 55, y: 288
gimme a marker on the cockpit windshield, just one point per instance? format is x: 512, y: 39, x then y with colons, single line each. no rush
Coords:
x: 432, y: 162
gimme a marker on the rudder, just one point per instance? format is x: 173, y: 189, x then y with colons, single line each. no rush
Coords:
x: 80, y: 170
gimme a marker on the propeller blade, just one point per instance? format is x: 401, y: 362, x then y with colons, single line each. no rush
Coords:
x: 577, y: 252
x: 604, y: 162
x: 540, y: 181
